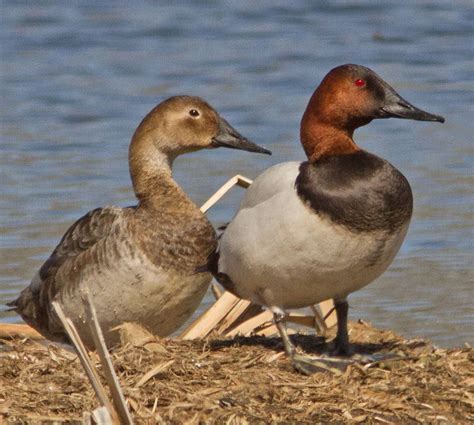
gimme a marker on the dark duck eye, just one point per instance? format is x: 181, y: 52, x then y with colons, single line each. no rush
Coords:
x: 194, y: 113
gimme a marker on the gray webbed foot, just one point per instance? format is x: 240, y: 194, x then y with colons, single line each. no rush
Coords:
x: 340, y: 357
x: 310, y: 365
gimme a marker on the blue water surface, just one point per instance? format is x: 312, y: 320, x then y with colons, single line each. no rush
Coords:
x: 77, y: 78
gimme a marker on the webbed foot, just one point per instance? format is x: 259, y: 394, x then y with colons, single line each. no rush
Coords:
x: 338, y: 365
x: 310, y: 365
x: 371, y: 359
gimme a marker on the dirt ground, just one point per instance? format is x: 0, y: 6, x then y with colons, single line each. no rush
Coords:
x: 243, y: 380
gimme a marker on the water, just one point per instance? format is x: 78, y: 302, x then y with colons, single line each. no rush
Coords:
x: 77, y: 77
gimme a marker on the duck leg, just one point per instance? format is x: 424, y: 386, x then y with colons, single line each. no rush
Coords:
x: 337, y: 365
x: 304, y: 364
x: 279, y: 317
x: 342, y: 347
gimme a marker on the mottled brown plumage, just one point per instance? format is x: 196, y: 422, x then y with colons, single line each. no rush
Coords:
x: 140, y: 263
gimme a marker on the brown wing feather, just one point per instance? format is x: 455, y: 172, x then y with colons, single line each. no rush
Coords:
x: 34, y: 302
x: 80, y: 237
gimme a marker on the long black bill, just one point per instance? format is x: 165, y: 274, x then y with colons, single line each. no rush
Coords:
x: 228, y: 137
x: 397, y: 107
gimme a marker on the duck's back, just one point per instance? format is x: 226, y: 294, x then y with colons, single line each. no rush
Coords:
x: 327, y: 229
x: 278, y: 178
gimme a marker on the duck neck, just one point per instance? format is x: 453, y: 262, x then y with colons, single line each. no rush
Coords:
x: 321, y: 139
x: 151, y: 173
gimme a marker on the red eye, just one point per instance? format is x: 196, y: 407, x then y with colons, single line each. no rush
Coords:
x: 359, y: 83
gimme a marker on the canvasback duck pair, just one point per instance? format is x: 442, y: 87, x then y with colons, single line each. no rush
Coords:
x: 140, y: 263
x: 321, y: 229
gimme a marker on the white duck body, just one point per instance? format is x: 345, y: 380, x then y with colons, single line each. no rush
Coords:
x: 279, y: 251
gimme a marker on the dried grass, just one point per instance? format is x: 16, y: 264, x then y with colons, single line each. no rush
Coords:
x: 243, y: 380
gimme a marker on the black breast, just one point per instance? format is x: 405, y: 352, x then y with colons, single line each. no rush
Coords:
x: 359, y: 191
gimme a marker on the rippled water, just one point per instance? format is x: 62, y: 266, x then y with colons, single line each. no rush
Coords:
x: 77, y: 77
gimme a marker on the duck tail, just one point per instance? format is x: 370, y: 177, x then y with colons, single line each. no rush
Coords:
x: 24, y: 305
x: 212, y: 266
x: 12, y: 304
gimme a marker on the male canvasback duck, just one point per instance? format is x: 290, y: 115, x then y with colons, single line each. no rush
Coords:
x: 140, y: 263
x: 321, y: 229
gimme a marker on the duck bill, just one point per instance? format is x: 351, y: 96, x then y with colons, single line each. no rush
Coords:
x: 397, y: 107
x: 229, y: 137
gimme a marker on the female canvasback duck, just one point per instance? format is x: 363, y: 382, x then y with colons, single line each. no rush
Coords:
x: 140, y: 263
x: 320, y: 229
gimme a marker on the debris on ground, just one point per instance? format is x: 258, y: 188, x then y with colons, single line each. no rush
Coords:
x: 242, y: 380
